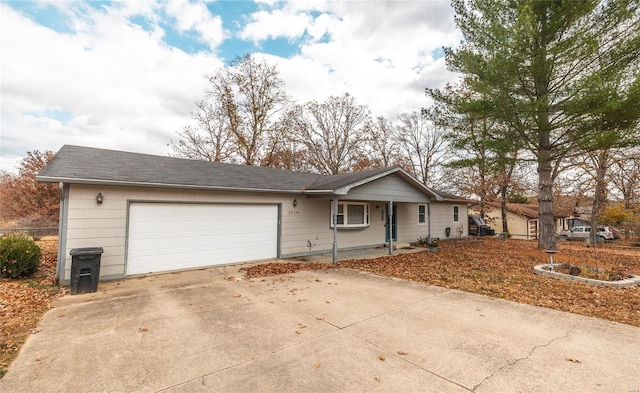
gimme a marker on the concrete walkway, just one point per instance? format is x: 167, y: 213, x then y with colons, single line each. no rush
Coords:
x: 322, y: 331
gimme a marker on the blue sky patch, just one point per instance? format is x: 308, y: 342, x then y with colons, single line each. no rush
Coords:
x: 43, y: 14
x: 281, y: 47
x: 235, y: 15
x: 57, y: 114
x: 437, y: 53
x: 188, y: 41
x: 142, y: 22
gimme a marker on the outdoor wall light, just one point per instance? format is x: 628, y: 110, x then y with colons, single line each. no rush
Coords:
x: 295, y: 202
x: 99, y: 198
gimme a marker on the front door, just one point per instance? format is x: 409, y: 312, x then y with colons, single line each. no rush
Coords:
x: 394, y: 223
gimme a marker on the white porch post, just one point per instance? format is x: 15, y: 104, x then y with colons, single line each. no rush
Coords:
x: 429, y: 221
x: 334, y: 220
x: 390, y: 227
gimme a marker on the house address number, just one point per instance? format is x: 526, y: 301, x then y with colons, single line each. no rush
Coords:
x: 294, y: 212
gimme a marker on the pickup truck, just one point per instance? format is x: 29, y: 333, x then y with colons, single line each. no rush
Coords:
x: 583, y: 232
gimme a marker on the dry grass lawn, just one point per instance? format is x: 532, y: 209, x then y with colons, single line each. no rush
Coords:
x: 24, y: 301
x: 494, y: 268
x: 504, y: 269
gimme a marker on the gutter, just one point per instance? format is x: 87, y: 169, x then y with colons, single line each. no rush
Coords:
x: 46, y: 179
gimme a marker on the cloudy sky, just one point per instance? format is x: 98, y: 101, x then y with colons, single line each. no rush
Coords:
x: 125, y: 75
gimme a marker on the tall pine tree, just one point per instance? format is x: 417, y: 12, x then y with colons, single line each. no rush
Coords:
x: 559, y: 74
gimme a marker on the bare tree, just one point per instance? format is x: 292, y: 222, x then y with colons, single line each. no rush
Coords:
x: 251, y: 95
x: 333, y: 133
x: 625, y: 175
x: 423, y: 146
x: 236, y: 120
x: 283, y: 150
x: 382, y: 151
x: 209, y: 139
x: 590, y: 170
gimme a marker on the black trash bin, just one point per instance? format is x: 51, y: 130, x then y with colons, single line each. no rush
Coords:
x: 85, y: 269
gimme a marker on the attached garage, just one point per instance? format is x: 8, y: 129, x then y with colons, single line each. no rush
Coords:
x: 173, y: 236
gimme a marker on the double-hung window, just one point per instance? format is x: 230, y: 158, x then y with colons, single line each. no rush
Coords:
x: 456, y: 214
x: 422, y: 214
x: 352, y: 215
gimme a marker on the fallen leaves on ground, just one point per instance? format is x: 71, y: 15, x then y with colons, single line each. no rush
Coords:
x: 504, y: 269
x: 24, y: 301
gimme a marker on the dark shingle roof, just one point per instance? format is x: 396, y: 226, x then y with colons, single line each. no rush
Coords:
x: 86, y: 165
x: 76, y: 164
x: 334, y: 182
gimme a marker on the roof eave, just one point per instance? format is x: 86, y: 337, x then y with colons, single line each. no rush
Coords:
x: 101, y: 182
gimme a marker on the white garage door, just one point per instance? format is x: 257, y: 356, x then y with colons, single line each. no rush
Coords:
x: 172, y: 236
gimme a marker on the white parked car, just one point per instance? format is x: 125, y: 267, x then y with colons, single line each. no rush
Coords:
x: 583, y: 232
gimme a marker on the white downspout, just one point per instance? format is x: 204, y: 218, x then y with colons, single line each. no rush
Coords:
x: 334, y: 220
x: 390, y: 227
x: 429, y: 221
x: 61, y: 243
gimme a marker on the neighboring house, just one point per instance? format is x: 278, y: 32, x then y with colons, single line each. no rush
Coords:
x: 156, y: 214
x: 576, y: 211
x: 522, y: 219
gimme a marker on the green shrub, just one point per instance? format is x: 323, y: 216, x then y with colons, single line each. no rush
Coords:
x: 19, y: 256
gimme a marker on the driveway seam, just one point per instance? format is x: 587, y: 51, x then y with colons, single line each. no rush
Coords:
x: 536, y: 347
x: 338, y: 329
x: 409, y: 361
x: 202, y: 376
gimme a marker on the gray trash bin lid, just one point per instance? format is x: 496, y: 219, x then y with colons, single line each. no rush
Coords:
x: 87, y: 251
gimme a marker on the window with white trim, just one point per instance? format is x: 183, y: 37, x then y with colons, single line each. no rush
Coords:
x: 422, y: 214
x: 352, y: 215
x: 456, y: 214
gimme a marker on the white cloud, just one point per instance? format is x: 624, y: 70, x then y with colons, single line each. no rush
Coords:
x: 196, y: 17
x: 380, y: 52
x: 275, y: 24
x: 119, y: 85
x: 124, y: 88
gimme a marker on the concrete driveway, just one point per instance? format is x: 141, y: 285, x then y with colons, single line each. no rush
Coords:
x: 320, y: 331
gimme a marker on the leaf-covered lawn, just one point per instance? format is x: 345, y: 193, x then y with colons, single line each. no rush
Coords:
x: 24, y: 301
x: 504, y: 269
x: 495, y: 268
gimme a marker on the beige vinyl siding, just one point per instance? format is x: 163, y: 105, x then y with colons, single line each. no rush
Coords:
x: 92, y: 225
x: 409, y: 230
x: 382, y: 189
x: 442, y: 217
x: 309, y: 221
x: 313, y: 224
x: 517, y: 224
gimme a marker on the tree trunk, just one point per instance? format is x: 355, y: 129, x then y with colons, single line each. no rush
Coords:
x: 599, y: 196
x: 503, y: 210
x: 547, y: 237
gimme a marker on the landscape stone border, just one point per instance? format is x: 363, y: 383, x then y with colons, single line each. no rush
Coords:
x: 543, y: 270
